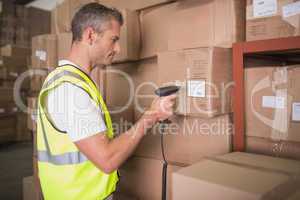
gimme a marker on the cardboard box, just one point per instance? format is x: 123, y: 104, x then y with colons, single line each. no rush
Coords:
x: 141, y: 178
x: 207, y: 23
x: 276, y: 148
x: 145, y: 81
x: 31, y: 113
x: 205, y: 77
x: 188, y: 140
x: 12, y: 50
x: 273, y: 19
x: 155, y: 27
x: 14, y: 66
x: 62, y: 15
x: 271, y: 100
x: 64, y: 42
x: 207, y: 179
x: 8, y: 23
x: 130, y: 38
x: 44, y: 51
x: 23, y: 134
x: 119, y: 84
x: 8, y: 128
x: 29, y: 190
x: 122, y: 118
x: 6, y: 95
x: 40, y: 17
x: 134, y: 4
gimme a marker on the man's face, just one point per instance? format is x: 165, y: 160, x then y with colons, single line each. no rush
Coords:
x: 106, y: 46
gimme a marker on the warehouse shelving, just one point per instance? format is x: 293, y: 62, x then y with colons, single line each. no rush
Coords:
x: 286, y: 50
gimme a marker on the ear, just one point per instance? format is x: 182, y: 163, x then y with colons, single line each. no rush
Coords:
x: 89, y: 35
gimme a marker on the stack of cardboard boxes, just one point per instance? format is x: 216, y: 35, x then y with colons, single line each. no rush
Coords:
x: 270, y: 88
x: 19, y: 24
x: 272, y: 19
x: 163, y: 42
x: 13, y: 62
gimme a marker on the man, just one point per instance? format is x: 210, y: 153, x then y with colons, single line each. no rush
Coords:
x: 78, y: 157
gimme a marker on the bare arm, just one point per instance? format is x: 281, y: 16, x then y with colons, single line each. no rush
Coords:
x: 107, y: 154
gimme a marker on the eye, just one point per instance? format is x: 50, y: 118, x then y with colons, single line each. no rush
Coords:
x: 115, y: 39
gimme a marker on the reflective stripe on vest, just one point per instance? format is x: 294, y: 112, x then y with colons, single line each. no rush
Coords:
x: 63, y: 159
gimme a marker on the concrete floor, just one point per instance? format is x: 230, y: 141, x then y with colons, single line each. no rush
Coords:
x: 15, y: 163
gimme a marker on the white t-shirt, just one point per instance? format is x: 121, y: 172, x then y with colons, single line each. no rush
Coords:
x: 72, y: 110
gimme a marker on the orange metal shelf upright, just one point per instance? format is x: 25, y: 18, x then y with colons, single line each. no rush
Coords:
x: 240, y: 51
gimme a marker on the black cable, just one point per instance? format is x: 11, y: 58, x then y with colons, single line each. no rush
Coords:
x: 165, y: 164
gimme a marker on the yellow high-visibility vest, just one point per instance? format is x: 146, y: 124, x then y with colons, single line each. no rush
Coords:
x: 65, y: 173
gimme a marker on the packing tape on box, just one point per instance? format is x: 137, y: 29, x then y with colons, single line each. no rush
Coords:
x: 291, y: 9
x: 291, y: 15
x: 281, y: 120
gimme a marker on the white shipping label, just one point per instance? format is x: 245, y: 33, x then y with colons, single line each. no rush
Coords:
x: 1, y: 62
x: 291, y: 9
x: 273, y: 102
x: 2, y: 110
x: 196, y: 88
x: 296, y: 111
x: 43, y: 55
x: 263, y: 8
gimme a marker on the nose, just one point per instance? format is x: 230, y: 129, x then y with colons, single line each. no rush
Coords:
x: 117, y: 48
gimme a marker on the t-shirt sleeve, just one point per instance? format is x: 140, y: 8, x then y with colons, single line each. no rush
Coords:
x: 72, y: 110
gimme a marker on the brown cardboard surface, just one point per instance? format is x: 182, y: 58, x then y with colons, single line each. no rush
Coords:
x: 40, y: 17
x: 134, y: 4
x: 130, y: 38
x: 284, y: 149
x: 122, y: 118
x: 188, y: 139
x: 145, y: 82
x: 13, y: 67
x: 23, y: 134
x: 262, y: 161
x: 62, y: 15
x: 155, y: 27
x: 64, y: 42
x: 272, y: 121
x: 207, y: 179
x: 272, y: 26
x: 6, y: 94
x: 141, y: 178
x: 11, y: 50
x: 269, y: 28
x: 44, y: 51
x: 8, y: 128
x: 119, y: 84
x: 209, y: 66
x: 206, y: 23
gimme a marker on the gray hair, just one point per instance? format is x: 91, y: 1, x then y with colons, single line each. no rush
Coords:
x: 93, y: 15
